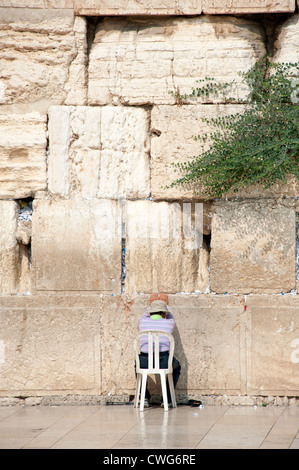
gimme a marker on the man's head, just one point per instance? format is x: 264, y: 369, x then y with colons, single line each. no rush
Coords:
x: 159, y: 307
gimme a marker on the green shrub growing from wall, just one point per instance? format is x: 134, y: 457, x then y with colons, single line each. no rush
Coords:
x: 257, y: 146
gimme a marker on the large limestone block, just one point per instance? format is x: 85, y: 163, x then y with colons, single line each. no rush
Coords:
x: 164, y: 248
x: 287, y: 44
x: 50, y: 344
x: 172, y: 141
x: 23, y: 143
x: 125, y: 165
x: 38, y: 3
x: 74, y: 150
x: 137, y: 7
x: 9, y: 251
x: 140, y: 61
x: 245, y: 6
x: 253, y: 247
x: 119, y: 321
x: 99, y: 152
x: 209, y: 343
x: 76, y: 245
x: 43, y: 57
x: 273, y: 345
x: 285, y: 189
x: 172, y: 131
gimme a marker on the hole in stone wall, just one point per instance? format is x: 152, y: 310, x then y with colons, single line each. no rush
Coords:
x: 26, y: 208
x: 23, y: 236
x: 207, y: 241
x: 92, y: 22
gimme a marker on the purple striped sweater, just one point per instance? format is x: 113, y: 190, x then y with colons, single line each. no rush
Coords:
x: 147, y: 323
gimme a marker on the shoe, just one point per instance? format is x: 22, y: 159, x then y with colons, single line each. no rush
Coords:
x: 146, y: 403
x: 169, y: 405
x: 194, y: 403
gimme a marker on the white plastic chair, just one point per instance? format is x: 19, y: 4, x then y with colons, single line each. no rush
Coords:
x: 153, y: 367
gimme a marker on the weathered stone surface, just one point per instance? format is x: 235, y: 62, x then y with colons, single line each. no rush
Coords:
x: 287, y: 44
x: 76, y: 246
x: 172, y: 131
x: 43, y: 55
x: 155, y: 7
x: 173, y: 128
x: 38, y: 3
x: 209, y: 339
x: 253, y: 248
x: 99, y: 152
x: 164, y: 250
x: 273, y: 345
x: 119, y: 320
x: 23, y: 144
x: 9, y: 252
x: 74, y: 156
x: 287, y: 189
x: 136, y: 7
x: 140, y: 61
x: 51, y: 344
x: 210, y: 342
x: 245, y: 6
x: 125, y: 165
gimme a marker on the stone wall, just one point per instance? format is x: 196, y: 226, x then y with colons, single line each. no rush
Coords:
x: 89, y: 130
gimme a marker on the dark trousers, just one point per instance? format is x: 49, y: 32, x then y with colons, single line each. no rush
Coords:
x: 143, y: 358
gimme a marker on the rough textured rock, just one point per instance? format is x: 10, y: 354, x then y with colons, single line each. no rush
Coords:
x: 253, y: 248
x: 173, y: 128
x: 137, y: 7
x: 140, y: 61
x: 43, y: 55
x: 9, y: 252
x: 22, y: 155
x: 76, y: 246
x: 163, y: 252
x: 273, y: 345
x: 245, y: 6
x: 38, y: 3
x: 286, y: 45
x: 179, y: 7
x: 51, y: 344
x: 99, y: 152
x: 156, y: 7
x: 125, y: 164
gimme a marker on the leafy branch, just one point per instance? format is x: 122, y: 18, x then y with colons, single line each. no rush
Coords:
x: 259, y: 145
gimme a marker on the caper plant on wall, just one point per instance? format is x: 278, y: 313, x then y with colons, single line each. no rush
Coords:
x: 259, y: 145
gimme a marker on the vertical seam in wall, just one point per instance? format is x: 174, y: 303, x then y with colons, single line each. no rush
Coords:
x: 297, y: 251
x: 245, y: 355
x: 100, y: 384
x: 150, y: 152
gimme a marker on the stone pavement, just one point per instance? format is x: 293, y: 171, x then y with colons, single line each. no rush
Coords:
x: 123, y: 427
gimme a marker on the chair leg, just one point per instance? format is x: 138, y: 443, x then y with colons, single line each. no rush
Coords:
x: 143, y: 388
x: 137, y: 391
x: 164, y: 391
x: 172, y: 391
